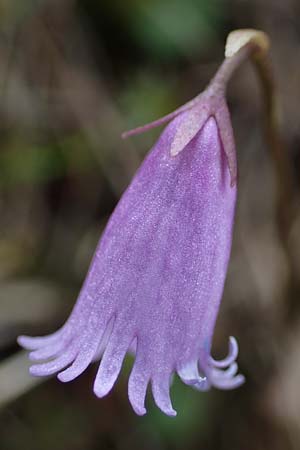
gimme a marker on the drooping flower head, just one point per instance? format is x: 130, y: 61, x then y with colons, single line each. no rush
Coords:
x: 156, y: 280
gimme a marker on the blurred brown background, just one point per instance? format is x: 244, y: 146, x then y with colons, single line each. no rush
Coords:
x: 73, y: 76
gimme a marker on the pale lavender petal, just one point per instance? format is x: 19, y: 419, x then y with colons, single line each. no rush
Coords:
x: 225, y: 379
x: 226, y: 132
x: 91, y: 340
x: 161, y: 393
x: 159, y: 270
x: 230, y: 358
x: 228, y: 383
x: 77, y: 319
x: 33, y: 343
x: 50, y: 350
x: 51, y: 367
x: 202, y: 385
x: 138, y: 381
x: 113, y: 358
x: 189, y: 127
x: 104, y: 341
x: 190, y: 373
x: 230, y: 372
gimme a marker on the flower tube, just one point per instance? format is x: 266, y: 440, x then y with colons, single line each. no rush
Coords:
x: 156, y: 280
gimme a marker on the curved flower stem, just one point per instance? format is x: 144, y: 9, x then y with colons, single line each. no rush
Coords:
x: 242, y: 44
x: 219, y: 82
x: 279, y: 155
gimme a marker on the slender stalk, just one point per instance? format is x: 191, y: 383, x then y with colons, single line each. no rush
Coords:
x: 255, y: 44
x: 284, y: 178
x: 277, y: 149
x: 219, y: 82
x: 242, y: 45
x: 237, y: 41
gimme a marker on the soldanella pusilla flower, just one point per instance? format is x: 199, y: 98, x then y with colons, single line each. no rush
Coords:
x: 156, y: 280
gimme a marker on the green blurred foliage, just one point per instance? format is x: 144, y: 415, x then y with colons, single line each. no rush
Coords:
x: 145, y: 96
x: 30, y: 165
x: 172, y: 27
x: 20, y: 164
x: 192, y: 416
x: 13, y: 12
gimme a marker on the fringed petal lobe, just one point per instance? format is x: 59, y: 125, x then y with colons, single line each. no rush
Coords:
x: 159, y: 270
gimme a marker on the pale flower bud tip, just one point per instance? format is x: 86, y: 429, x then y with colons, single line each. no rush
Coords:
x: 239, y: 38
